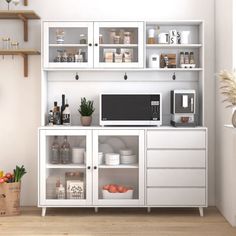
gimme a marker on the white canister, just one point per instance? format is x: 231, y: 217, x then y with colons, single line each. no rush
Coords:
x: 78, y: 155
x: 173, y: 37
x: 154, y: 61
x: 163, y: 38
x: 151, y: 33
x: 185, y: 37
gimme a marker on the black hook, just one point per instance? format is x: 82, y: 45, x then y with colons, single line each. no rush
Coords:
x: 174, y: 76
x: 125, y: 76
x: 77, y: 76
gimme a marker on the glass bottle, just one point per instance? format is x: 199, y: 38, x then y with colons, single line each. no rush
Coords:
x: 181, y: 58
x: 191, y: 58
x: 61, y: 192
x: 65, y: 152
x: 55, y: 151
x: 186, y: 58
x: 83, y: 39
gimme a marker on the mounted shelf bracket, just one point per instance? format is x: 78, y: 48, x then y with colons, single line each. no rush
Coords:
x: 21, y: 52
x: 25, y: 16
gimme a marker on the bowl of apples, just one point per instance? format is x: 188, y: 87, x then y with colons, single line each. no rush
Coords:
x: 115, y: 191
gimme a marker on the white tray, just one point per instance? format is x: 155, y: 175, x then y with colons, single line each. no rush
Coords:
x: 107, y: 195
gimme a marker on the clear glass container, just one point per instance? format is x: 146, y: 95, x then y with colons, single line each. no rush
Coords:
x: 55, y: 152
x: 186, y: 58
x: 15, y: 45
x: 6, y: 43
x: 191, y: 58
x: 127, y: 37
x: 100, y: 39
x: 64, y: 57
x: 181, y: 58
x: 83, y: 39
x: 116, y: 39
x: 65, y: 152
x: 60, y: 36
x: 112, y: 35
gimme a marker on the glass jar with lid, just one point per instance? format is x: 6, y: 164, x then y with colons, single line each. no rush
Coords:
x: 83, y: 39
x: 127, y: 37
x: 116, y: 39
x: 6, y: 43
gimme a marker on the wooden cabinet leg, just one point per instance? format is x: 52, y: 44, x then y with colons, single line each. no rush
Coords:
x: 149, y: 210
x: 96, y: 209
x: 201, y: 211
x: 44, y: 211
x: 25, y: 65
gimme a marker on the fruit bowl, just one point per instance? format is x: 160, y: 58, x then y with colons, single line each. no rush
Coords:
x: 127, y: 195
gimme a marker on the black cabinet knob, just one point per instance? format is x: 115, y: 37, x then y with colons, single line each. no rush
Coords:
x: 89, y: 167
x: 95, y: 167
x: 96, y: 44
x: 125, y: 76
x: 90, y: 44
x: 76, y: 76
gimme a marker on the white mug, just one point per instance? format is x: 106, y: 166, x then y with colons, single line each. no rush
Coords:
x: 173, y: 36
x: 78, y: 155
x: 185, y: 37
x: 163, y: 38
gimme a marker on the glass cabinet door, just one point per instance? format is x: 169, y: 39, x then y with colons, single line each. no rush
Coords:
x: 65, y: 159
x: 118, y: 44
x: 118, y: 167
x: 68, y: 45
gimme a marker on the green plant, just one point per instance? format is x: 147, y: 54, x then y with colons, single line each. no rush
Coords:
x: 19, y: 172
x: 86, y: 107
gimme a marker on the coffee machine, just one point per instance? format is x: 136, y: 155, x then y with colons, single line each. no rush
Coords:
x: 183, y: 108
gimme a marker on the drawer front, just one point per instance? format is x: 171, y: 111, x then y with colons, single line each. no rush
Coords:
x: 176, y: 158
x: 176, y: 178
x: 176, y: 196
x: 176, y: 139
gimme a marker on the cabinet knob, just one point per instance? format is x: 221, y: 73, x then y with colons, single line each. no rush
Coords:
x: 95, y: 167
x: 125, y: 76
x: 96, y: 44
x: 90, y: 44
x: 89, y: 167
x: 76, y: 76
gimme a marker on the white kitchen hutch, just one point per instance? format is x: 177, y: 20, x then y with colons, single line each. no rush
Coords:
x: 171, y: 168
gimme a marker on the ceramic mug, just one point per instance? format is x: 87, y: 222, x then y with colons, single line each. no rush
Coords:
x: 173, y: 36
x: 78, y: 155
x: 185, y: 37
x: 163, y: 38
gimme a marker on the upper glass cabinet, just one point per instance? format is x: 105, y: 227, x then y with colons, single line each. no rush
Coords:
x: 118, y: 44
x: 68, y: 45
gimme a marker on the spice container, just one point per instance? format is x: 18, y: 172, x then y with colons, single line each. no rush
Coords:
x: 58, y: 57
x: 83, y: 39
x: 60, y: 36
x: 112, y: 35
x: 181, y: 58
x: 186, y: 58
x: 6, y: 44
x: 100, y: 39
x: 116, y: 39
x: 61, y: 193
x: 151, y: 36
x: 15, y: 45
x: 127, y: 38
x: 64, y: 57
x: 191, y: 58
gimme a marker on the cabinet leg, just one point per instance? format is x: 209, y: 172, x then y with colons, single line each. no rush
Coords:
x: 44, y: 211
x: 201, y: 211
x: 96, y: 209
x: 149, y: 210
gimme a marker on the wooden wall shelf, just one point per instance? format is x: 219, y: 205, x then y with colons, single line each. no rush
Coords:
x: 22, y: 52
x: 20, y: 15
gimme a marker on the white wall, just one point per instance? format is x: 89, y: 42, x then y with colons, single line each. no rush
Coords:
x: 20, y: 98
x: 226, y: 137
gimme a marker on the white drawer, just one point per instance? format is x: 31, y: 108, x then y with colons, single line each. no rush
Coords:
x: 176, y: 158
x: 176, y: 197
x: 176, y: 178
x: 176, y: 139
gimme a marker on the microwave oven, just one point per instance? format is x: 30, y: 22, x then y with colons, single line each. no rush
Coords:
x: 130, y: 109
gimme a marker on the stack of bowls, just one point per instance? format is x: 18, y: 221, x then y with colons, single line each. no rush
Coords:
x: 112, y: 159
x: 127, y: 157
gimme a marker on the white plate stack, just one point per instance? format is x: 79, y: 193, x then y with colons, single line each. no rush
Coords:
x: 112, y: 159
x: 127, y: 157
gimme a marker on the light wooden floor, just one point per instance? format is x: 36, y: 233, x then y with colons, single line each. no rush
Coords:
x: 164, y: 222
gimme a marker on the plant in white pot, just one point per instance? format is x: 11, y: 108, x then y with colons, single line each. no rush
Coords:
x: 86, y: 110
x: 228, y: 87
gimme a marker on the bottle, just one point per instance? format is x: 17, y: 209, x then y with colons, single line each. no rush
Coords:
x: 66, y: 117
x: 55, y: 151
x: 191, y: 58
x: 181, y: 58
x: 62, y: 106
x: 65, y: 152
x: 50, y: 118
x: 186, y: 58
x: 56, y: 114
x: 61, y: 192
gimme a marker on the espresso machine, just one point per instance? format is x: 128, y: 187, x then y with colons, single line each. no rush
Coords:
x: 183, y: 108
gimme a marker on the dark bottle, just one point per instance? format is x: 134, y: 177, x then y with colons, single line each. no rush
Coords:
x: 56, y: 114
x: 62, y: 106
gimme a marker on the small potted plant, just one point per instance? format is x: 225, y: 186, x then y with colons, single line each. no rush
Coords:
x: 86, y: 110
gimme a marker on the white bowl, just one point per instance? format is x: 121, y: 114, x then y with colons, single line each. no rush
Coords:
x: 107, y: 195
x: 126, y: 152
x: 78, y: 155
x: 112, y: 159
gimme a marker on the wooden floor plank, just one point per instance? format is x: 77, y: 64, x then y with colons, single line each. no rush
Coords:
x: 84, y: 222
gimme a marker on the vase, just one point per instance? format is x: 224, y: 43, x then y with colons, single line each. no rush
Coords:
x: 86, y: 120
x: 234, y: 117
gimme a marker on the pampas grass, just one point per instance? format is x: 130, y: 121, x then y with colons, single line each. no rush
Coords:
x: 228, y: 87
